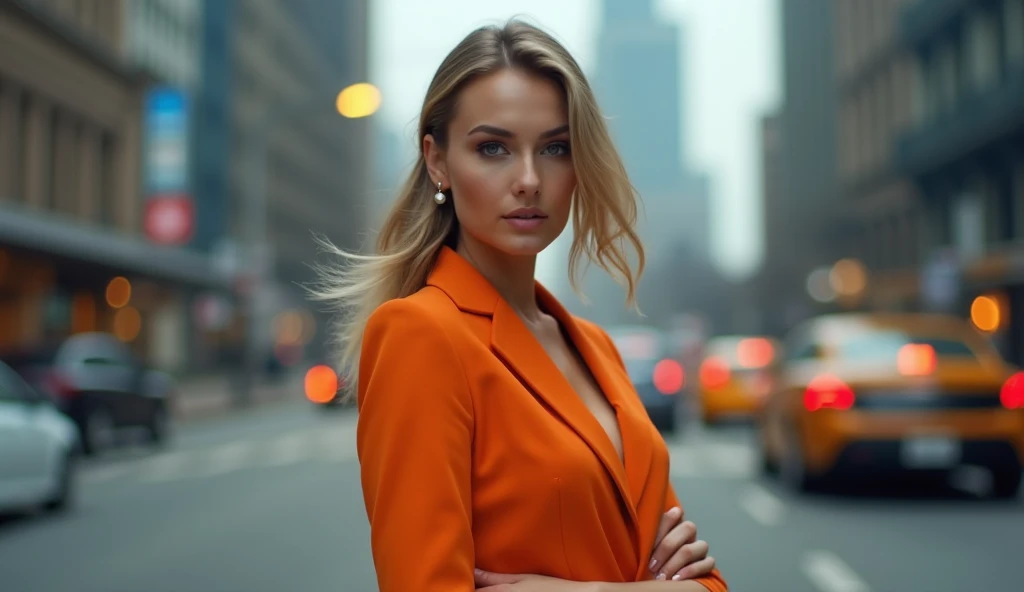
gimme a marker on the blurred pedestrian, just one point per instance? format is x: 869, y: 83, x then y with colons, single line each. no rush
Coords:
x: 500, y: 441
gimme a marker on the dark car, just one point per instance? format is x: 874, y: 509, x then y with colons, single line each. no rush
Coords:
x: 656, y: 375
x: 102, y: 386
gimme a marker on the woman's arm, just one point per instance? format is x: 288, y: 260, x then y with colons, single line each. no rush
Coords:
x: 414, y: 439
x: 687, y: 586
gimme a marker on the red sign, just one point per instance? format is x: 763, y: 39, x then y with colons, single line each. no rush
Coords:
x: 170, y: 220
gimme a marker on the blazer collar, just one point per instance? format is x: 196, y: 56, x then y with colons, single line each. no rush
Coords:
x: 516, y: 345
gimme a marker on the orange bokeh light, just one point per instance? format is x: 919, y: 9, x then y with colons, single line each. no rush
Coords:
x: 321, y: 384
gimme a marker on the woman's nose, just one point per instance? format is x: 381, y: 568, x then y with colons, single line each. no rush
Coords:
x: 527, y: 180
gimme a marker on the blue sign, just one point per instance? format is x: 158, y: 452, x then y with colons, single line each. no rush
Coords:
x: 166, y: 121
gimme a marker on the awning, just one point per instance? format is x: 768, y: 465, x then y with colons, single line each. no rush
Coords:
x: 63, y: 238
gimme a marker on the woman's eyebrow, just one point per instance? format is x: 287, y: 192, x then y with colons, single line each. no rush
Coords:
x: 504, y: 133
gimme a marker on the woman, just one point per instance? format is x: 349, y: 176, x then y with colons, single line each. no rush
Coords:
x: 500, y: 441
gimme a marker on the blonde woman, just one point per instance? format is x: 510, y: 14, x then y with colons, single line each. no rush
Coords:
x: 500, y: 442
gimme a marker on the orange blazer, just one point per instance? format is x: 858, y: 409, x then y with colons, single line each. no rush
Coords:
x: 475, y: 451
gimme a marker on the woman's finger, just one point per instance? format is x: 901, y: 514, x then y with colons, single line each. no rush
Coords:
x: 669, y: 520
x: 686, y: 555
x: 696, y: 569
x: 671, y: 543
x: 487, y: 578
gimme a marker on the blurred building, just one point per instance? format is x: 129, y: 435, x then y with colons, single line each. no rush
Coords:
x: 163, y: 37
x: 965, y: 147
x: 880, y: 211
x: 270, y: 74
x: 637, y: 84
x: 802, y: 223
x: 72, y: 215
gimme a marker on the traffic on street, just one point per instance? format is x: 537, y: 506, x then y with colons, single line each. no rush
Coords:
x: 270, y: 500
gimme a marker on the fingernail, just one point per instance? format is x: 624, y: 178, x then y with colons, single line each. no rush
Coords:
x: 676, y: 578
x: 661, y: 576
x: 654, y: 564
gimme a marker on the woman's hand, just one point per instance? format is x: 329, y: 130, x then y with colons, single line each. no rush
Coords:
x: 678, y: 555
x: 495, y: 582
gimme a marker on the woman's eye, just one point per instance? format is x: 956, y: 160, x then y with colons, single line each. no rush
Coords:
x: 490, y: 149
x: 557, y: 149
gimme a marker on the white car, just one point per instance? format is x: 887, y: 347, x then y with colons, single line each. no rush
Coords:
x: 38, y: 448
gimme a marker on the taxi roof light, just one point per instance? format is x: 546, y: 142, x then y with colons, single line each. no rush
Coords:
x: 755, y: 352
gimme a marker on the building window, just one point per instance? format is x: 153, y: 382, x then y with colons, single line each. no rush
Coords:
x: 1013, y: 33
x: 108, y: 188
x: 982, y: 49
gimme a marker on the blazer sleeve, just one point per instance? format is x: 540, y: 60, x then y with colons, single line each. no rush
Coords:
x: 714, y: 581
x: 414, y: 437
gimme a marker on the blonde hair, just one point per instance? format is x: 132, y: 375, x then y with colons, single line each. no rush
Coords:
x: 416, y: 228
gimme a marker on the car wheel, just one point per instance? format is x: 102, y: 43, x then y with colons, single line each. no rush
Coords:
x: 97, y: 431
x: 793, y: 467
x: 159, y: 426
x: 63, y: 496
x: 768, y: 466
x: 1005, y: 484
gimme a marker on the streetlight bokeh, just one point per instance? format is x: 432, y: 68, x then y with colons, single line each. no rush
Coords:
x: 358, y: 100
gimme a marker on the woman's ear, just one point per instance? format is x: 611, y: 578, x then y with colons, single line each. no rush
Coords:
x: 434, y: 155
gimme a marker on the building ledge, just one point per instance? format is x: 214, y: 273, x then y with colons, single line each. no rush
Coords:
x: 922, y: 20
x: 37, y: 231
x: 977, y: 121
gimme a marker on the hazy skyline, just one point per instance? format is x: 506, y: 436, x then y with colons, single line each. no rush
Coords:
x: 730, y: 55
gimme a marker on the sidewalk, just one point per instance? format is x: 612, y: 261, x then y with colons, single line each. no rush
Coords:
x: 210, y: 396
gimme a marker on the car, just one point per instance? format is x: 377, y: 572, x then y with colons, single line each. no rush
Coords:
x: 735, y: 377
x: 656, y: 375
x: 102, y: 386
x: 39, y: 448
x: 888, y: 395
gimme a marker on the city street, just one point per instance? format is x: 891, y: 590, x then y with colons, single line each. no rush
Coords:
x: 269, y: 500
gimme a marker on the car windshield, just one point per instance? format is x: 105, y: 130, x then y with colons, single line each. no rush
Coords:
x: 885, y: 345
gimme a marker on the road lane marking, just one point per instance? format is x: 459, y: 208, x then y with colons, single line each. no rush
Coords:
x: 731, y: 459
x: 830, y: 574
x: 101, y: 474
x: 226, y: 458
x: 762, y: 505
x: 288, y: 449
x: 165, y: 467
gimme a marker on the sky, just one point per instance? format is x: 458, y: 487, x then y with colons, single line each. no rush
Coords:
x: 731, y: 54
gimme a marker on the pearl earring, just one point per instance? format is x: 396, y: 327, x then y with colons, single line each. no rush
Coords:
x: 439, y: 197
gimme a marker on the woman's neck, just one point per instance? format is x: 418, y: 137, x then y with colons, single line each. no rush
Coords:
x: 512, y: 276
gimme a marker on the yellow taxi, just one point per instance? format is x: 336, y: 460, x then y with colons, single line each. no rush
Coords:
x: 735, y: 376
x: 871, y: 395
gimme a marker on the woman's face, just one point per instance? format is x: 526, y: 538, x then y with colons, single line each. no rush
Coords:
x: 507, y: 163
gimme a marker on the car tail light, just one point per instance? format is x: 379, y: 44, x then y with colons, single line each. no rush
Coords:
x: 828, y: 392
x: 668, y: 377
x: 59, y: 385
x: 916, y: 359
x: 714, y: 373
x: 1012, y: 393
x: 321, y: 384
x: 755, y: 352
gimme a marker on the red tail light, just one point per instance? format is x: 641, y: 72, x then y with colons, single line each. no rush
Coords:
x: 59, y: 385
x: 669, y: 377
x: 714, y: 373
x: 755, y: 352
x: 1012, y: 393
x: 828, y: 392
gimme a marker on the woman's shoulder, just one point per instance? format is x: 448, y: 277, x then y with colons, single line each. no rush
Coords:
x: 424, y: 314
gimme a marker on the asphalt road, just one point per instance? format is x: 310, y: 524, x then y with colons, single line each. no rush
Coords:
x: 269, y: 501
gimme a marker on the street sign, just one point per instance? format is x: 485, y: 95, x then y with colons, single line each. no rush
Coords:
x: 169, y: 211
x: 169, y: 219
x: 940, y: 281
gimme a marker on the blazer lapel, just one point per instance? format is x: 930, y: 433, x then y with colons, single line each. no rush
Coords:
x: 636, y: 435
x: 523, y: 354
